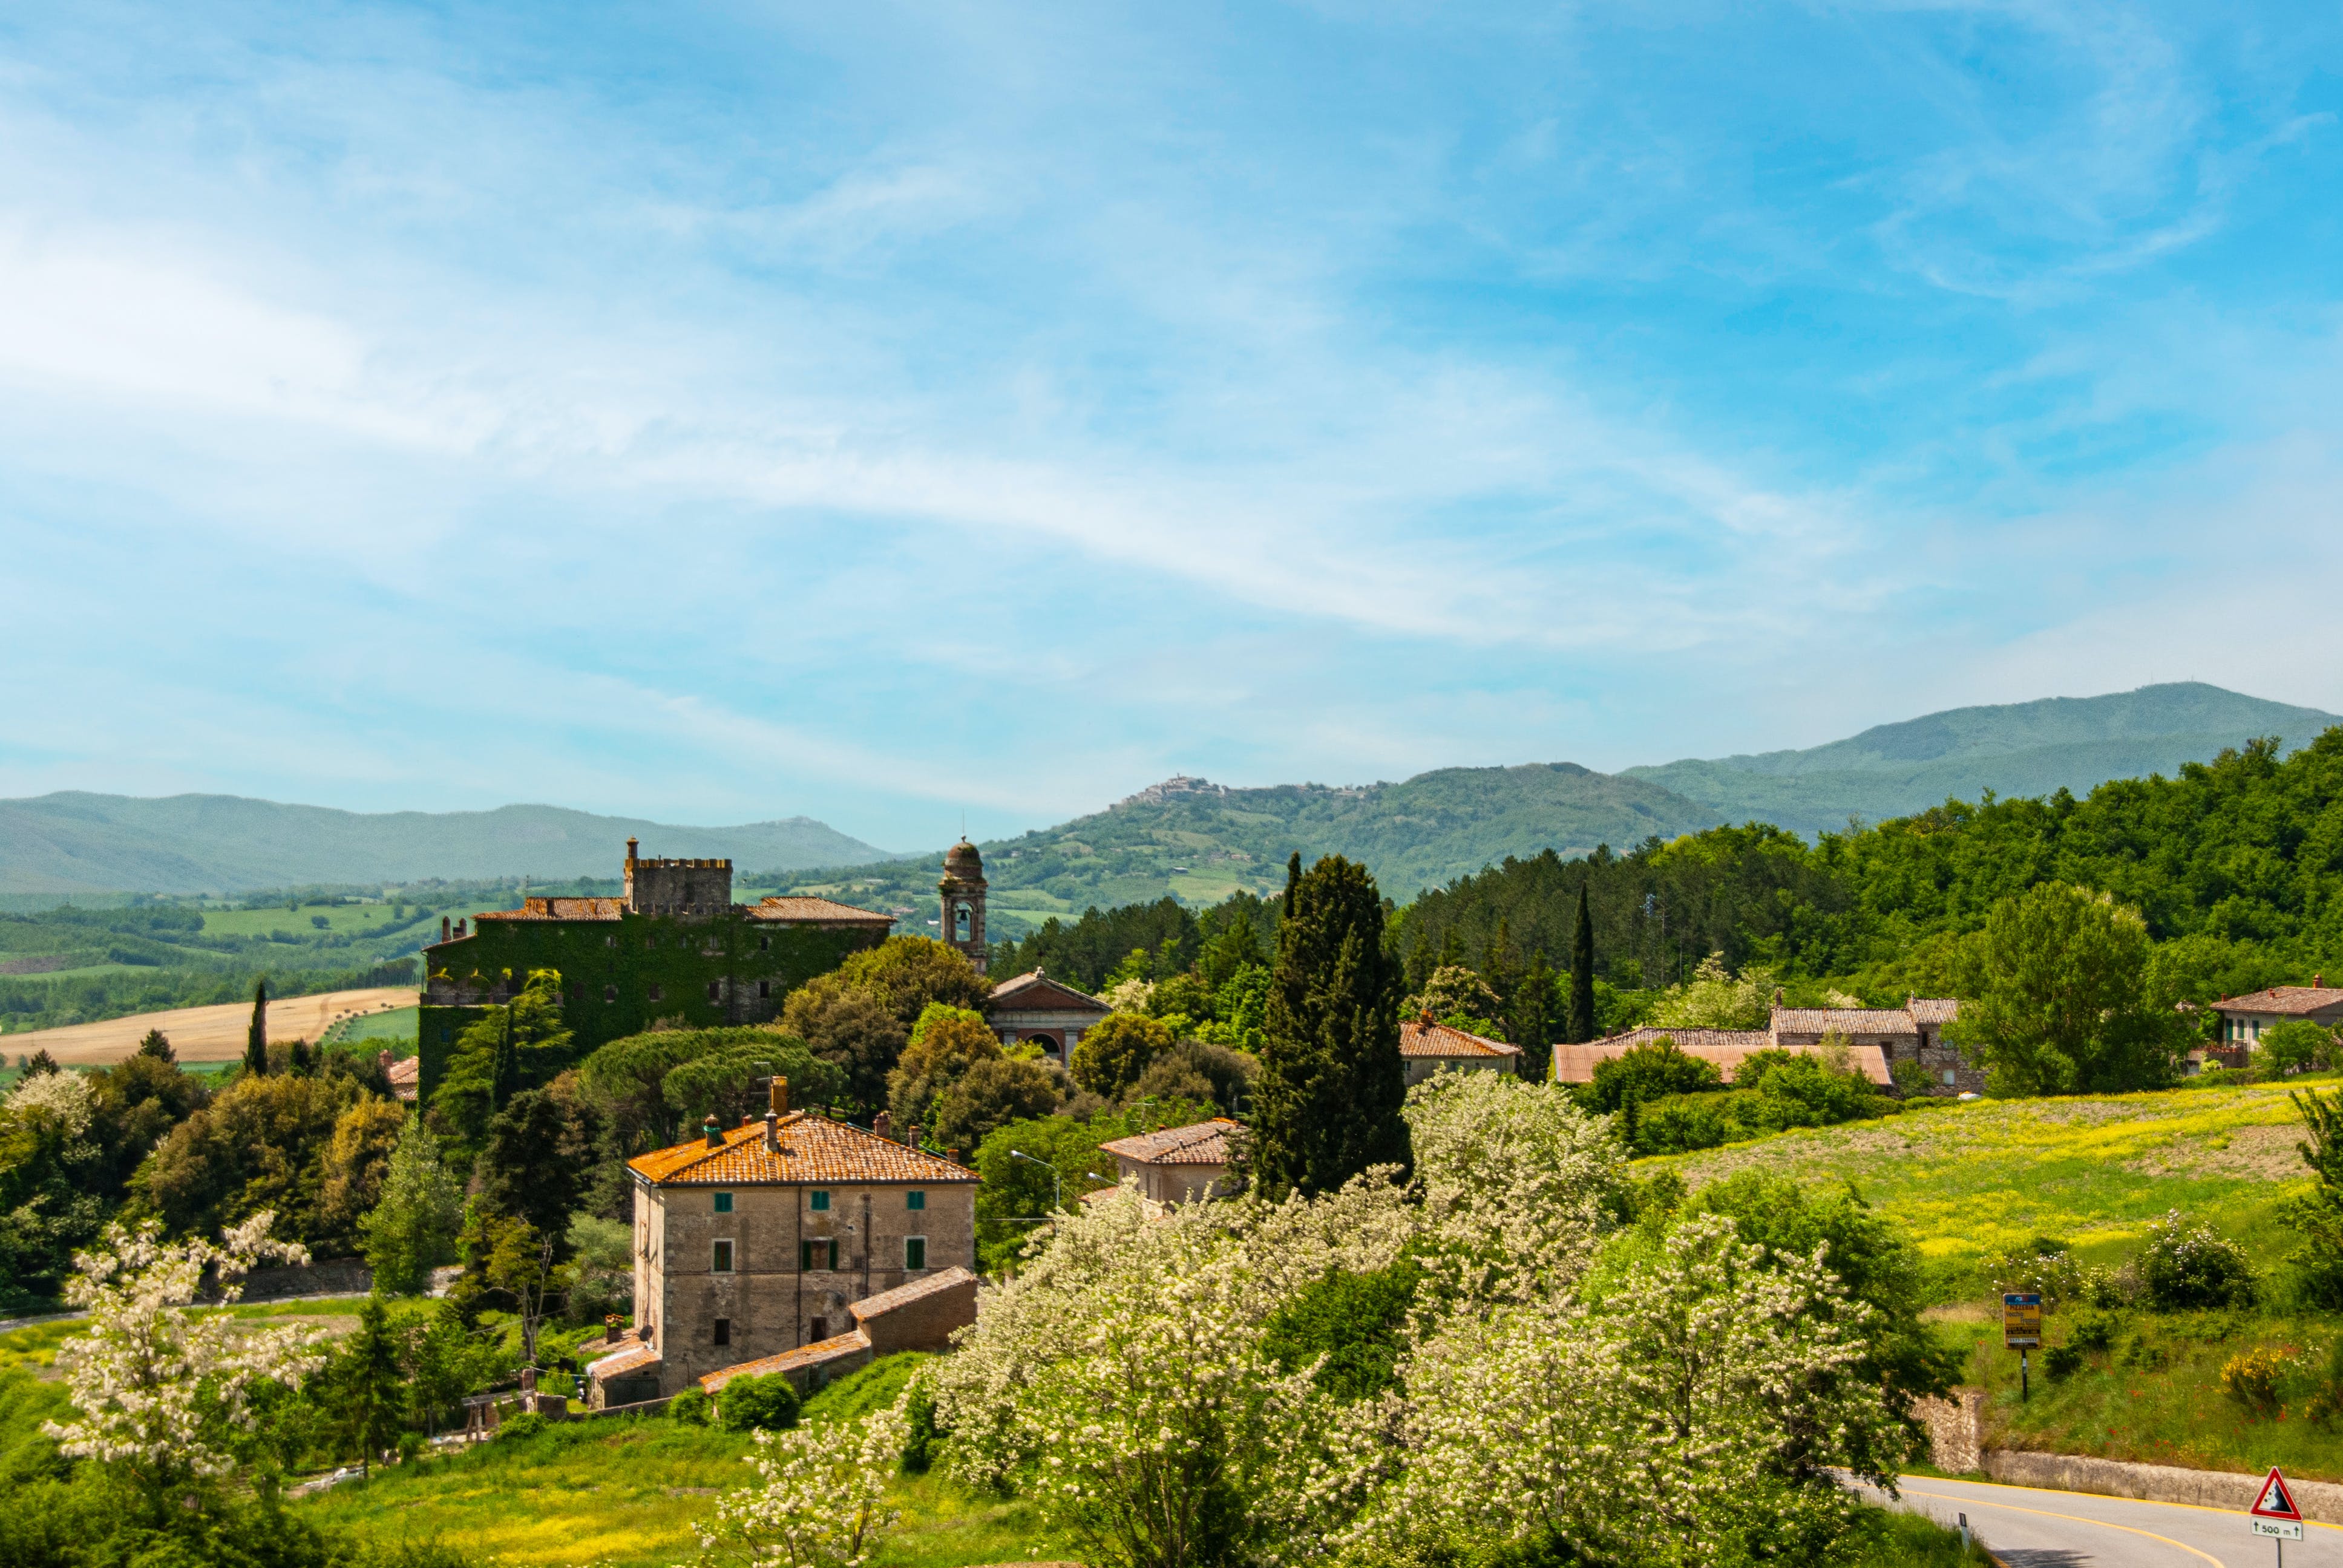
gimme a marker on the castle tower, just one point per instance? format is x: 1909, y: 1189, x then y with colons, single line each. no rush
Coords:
x: 963, y: 903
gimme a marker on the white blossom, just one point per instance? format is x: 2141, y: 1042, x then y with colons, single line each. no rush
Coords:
x: 63, y: 1096
x: 161, y: 1391
x: 821, y: 1503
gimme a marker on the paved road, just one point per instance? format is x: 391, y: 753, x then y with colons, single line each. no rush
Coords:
x: 2026, y: 1527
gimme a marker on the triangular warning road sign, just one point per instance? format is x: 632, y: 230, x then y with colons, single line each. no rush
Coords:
x: 2276, y: 1500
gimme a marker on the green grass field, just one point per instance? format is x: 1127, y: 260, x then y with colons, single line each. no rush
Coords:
x: 623, y: 1493
x: 395, y: 1026
x: 2157, y: 1398
x: 338, y: 916
x: 1967, y: 1179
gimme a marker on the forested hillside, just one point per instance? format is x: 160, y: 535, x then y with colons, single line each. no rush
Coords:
x: 2073, y: 743
x: 2236, y: 865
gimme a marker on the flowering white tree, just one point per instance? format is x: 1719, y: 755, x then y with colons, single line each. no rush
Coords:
x: 63, y: 1096
x: 163, y: 1392
x: 1513, y: 1176
x: 1121, y: 1380
x: 822, y: 1504
x: 1681, y: 1419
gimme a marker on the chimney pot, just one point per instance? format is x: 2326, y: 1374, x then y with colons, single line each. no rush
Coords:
x: 443, y: 927
x: 715, y: 1134
x: 882, y: 1125
x: 773, y: 1133
x: 780, y: 1097
x: 912, y: 1138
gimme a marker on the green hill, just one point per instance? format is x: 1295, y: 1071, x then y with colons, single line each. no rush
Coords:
x: 1203, y: 841
x: 70, y: 843
x: 2029, y: 749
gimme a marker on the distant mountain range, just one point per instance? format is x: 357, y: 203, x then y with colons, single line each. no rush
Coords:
x: 1186, y: 836
x: 72, y: 842
x: 2074, y: 743
x: 1202, y: 840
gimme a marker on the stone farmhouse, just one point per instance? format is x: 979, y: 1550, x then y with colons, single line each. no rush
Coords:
x: 673, y: 944
x: 2244, y: 1017
x: 1877, y: 1038
x: 754, y: 1242
x: 1176, y: 1164
x: 1426, y: 1046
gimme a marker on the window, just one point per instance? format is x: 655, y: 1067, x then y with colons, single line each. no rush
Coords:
x: 915, y: 1200
x: 610, y: 993
x: 724, y: 1202
x: 657, y: 995
x: 610, y: 942
x: 764, y: 991
x: 817, y: 1330
x: 820, y: 1252
x: 724, y: 1331
x: 714, y: 990
x: 915, y: 1251
x: 1948, y: 1077
x: 445, y: 1034
x: 820, y: 1203
x: 722, y: 1262
x: 764, y: 944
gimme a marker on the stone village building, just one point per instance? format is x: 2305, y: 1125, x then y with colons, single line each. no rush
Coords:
x: 1877, y: 1038
x: 672, y: 944
x: 2244, y: 1017
x: 756, y: 1242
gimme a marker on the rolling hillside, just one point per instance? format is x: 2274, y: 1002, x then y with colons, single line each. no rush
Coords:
x: 2020, y: 748
x: 72, y: 842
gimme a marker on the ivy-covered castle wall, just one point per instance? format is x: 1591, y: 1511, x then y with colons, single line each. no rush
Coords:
x: 620, y: 975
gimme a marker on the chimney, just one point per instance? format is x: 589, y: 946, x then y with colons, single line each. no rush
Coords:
x: 1778, y: 994
x: 459, y: 927
x: 2319, y: 982
x: 911, y: 1138
x: 714, y: 1134
x: 773, y: 1133
x: 631, y: 846
x: 781, y: 1096
x: 883, y: 1126
x: 443, y: 927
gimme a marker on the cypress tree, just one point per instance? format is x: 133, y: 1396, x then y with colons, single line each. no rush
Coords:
x: 1582, y: 975
x: 1327, y: 1103
x: 256, y: 1038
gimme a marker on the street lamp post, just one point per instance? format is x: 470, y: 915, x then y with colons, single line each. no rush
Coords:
x: 1057, y: 1183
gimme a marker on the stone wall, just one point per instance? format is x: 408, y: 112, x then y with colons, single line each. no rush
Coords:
x: 1952, y: 1426
x: 2320, y: 1500
x: 333, y: 1277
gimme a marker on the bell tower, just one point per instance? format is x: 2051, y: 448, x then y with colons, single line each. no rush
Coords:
x: 962, y: 889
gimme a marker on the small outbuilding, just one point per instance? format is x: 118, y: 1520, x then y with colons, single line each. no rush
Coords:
x: 1032, y: 1009
x: 1427, y: 1045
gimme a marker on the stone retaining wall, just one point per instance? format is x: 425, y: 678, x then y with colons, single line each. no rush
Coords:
x: 2320, y: 1500
x: 334, y: 1277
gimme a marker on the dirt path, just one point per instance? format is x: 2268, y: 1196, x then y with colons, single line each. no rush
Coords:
x: 202, y: 1033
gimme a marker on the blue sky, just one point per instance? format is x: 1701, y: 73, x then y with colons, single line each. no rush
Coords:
x: 724, y: 412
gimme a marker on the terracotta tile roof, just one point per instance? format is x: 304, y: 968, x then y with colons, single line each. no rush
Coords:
x: 814, y: 1149
x: 854, y: 1342
x: 634, y: 1358
x: 1933, y: 1010
x: 559, y: 910
x: 935, y: 1284
x: 1037, y: 992
x: 405, y: 1077
x: 821, y: 911
x: 1417, y: 1037
x: 2296, y: 999
x: 1725, y: 1049
x: 1842, y: 1020
x: 1201, y: 1144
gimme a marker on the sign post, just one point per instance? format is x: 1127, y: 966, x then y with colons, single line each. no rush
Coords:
x: 2276, y: 1517
x: 2021, y: 1330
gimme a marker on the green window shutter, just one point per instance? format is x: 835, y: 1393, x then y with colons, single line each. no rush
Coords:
x: 724, y: 1202
x: 915, y: 1200
x: 821, y: 1203
x: 915, y: 1251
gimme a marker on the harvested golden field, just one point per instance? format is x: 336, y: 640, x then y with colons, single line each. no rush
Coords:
x: 203, y: 1033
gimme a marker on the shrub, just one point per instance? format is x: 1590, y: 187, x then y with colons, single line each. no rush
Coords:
x: 2326, y: 1407
x: 2252, y: 1379
x: 2094, y: 1331
x: 2062, y: 1361
x: 767, y: 1403
x: 2042, y: 1265
x: 2183, y: 1268
x: 527, y: 1424
x: 1648, y: 1072
x: 921, y: 1434
x: 2294, y: 1045
x: 692, y: 1407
